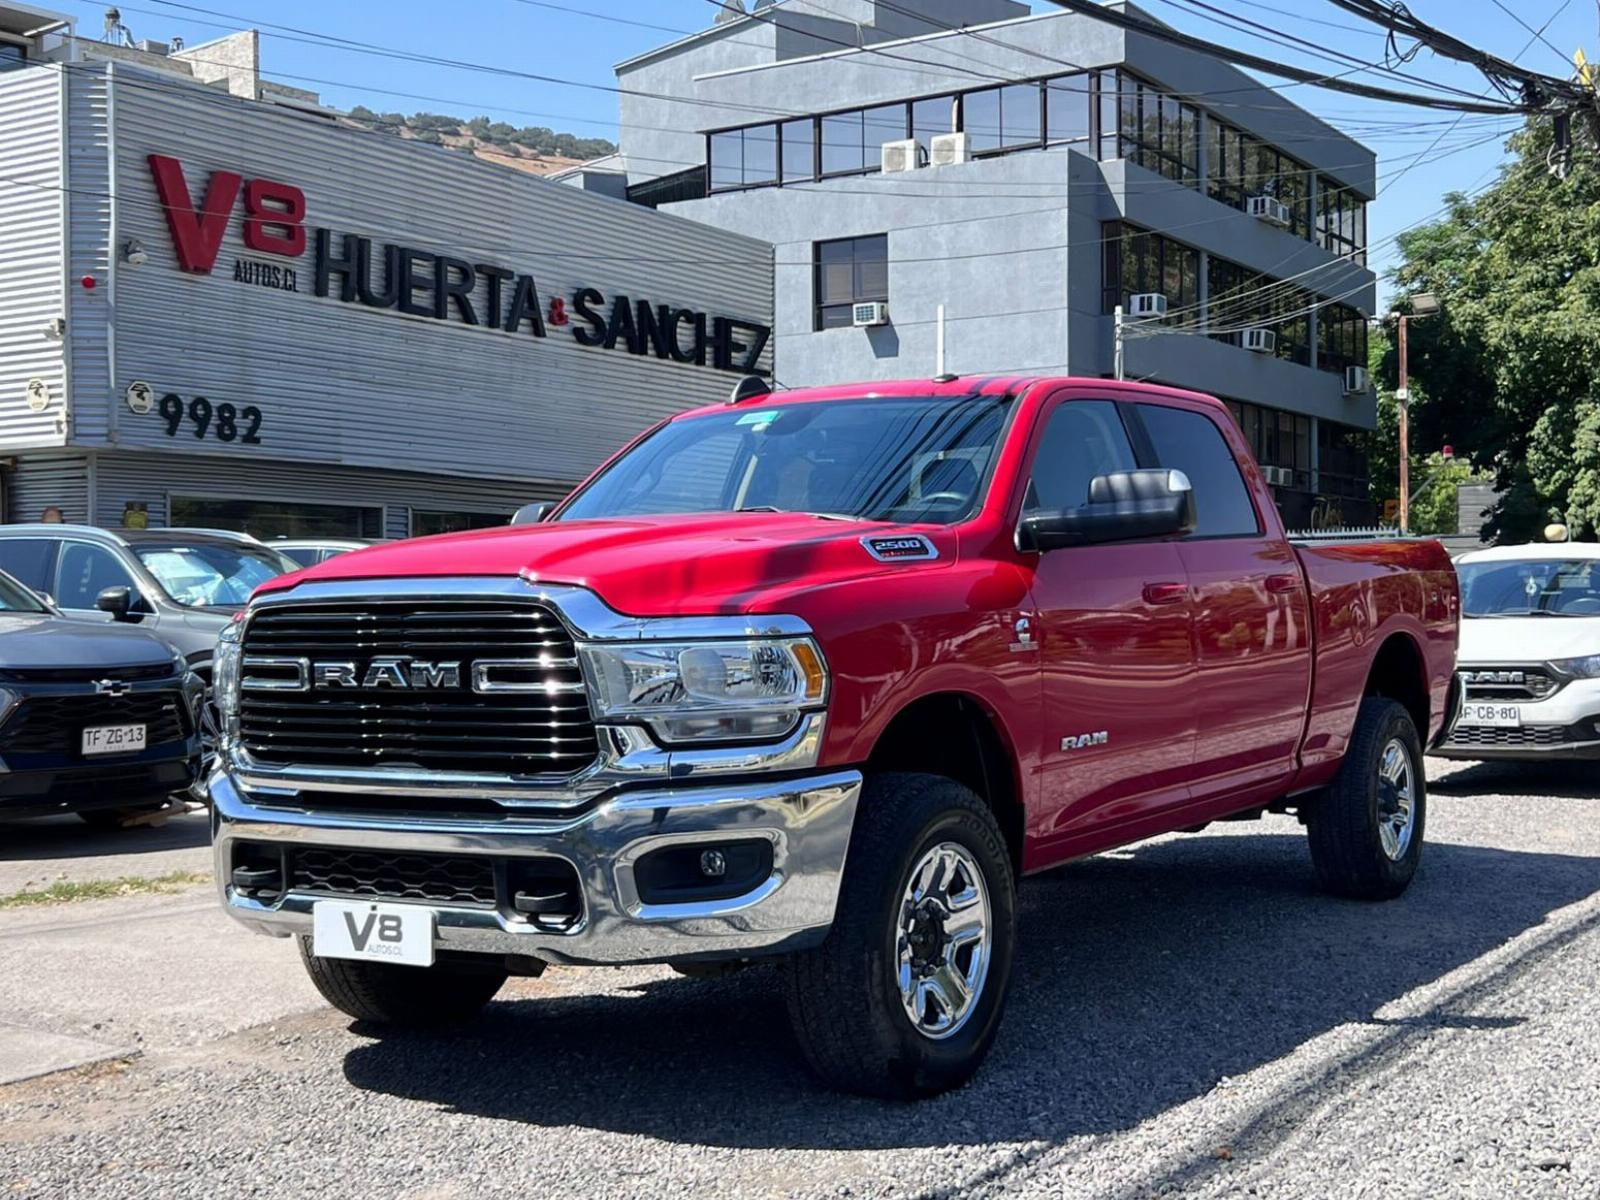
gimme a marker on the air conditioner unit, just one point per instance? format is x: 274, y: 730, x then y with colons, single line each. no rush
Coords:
x: 873, y: 312
x: 1270, y: 209
x: 1279, y: 476
x: 947, y: 149
x: 1147, y: 304
x: 1355, y: 381
x: 901, y: 156
x: 1261, y: 341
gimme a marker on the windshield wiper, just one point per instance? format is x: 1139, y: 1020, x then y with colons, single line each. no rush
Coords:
x: 773, y: 508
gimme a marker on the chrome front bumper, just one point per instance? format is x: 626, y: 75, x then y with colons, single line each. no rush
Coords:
x: 808, y: 820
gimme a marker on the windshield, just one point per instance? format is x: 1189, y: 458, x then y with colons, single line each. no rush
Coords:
x: 16, y: 598
x: 200, y: 575
x: 905, y: 459
x: 1535, y: 587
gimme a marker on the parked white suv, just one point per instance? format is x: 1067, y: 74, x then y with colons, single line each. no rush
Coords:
x: 1529, y: 665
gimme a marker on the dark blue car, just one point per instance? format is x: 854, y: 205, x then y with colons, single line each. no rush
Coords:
x: 96, y: 719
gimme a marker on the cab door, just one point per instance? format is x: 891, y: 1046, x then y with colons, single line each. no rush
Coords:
x: 1115, y: 646
x: 1252, y: 613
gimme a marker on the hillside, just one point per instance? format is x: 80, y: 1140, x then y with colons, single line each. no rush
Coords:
x: 533, y: 148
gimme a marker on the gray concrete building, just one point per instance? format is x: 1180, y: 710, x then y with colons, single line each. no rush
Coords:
x: 1097, y: 165
x: 220, y: 306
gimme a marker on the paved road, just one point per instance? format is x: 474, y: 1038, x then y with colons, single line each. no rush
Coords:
x: 1189, y: 1018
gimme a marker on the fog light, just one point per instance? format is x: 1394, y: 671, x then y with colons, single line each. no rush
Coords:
x: 713, y: 865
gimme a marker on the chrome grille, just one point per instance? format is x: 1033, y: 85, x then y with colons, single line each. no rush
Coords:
x: 540, y: 725
x: 1509, y: 683
x: 1528, y: 735
x: 445, y: 879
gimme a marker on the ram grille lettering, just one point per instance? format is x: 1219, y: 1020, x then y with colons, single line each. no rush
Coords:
x: 408, y: 673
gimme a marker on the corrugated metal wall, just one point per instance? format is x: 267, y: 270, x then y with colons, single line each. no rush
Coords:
x: 31, y: 197
x: 44, y: 479
x: 89, y: 232
x: 340, y: 383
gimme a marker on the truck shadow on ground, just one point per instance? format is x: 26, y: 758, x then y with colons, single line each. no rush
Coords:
x: 1494, y: 781
x: 1142, y: 979
x: 68, y: 837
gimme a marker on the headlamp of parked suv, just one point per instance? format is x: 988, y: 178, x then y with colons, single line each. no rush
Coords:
x: 753, y: 690
x: 1587, y: 667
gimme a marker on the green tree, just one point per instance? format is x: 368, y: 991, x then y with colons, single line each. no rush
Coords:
x: 1512, y: 365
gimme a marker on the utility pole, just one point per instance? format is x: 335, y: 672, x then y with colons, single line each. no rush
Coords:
x: 1403, y: 396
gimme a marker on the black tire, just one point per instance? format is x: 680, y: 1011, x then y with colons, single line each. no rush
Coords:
x: 844, y: 998
x: 113, y: 818
x: 1347, y: 846
x: 412, y: 997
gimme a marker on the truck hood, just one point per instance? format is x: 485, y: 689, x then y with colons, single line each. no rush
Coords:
x: 1527, y: 639
x: 649, y: 566
x: 38, y: 642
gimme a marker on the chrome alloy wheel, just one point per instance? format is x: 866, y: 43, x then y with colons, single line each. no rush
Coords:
x: 945, y: 940
x: 1396, y: 800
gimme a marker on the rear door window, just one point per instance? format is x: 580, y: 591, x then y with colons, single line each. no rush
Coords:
x: 1191, y: 442
x: 30, y: 561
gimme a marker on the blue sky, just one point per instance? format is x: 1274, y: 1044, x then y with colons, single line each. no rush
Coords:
x: 580, y: 43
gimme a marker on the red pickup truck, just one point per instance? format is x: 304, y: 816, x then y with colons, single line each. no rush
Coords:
x: 817, y: 677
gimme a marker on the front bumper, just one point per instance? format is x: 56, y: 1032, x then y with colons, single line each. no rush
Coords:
x: 807, y: 820
x: 1563, y: 726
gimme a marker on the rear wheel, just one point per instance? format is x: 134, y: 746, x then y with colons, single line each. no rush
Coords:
x: 417, y: 997
x: 1366, y: 831
x: 904, y: 997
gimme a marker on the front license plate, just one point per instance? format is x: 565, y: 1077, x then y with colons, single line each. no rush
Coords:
x: 1495, y: 716
x: 392, y: 933
x: 114, y: 739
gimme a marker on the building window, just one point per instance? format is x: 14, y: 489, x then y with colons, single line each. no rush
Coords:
x: 848, y: 272
x: 1341, y: 338
x: 799, y: 150
x: 742, y: 158
x: 1136, y: 262
x: 1067, y: 111
x: 1341, y: 221
x: 932, y: 117
x: 1277, y: 439
x: 852, y: 142
x: 274, y: 518
x: 1342, y: 465
x: 1158, y: 132
x: 12, y: 56
x: 425, y: 523
x: 1240, y: 299
x: 1002, y: 118
x: 1239, y: 166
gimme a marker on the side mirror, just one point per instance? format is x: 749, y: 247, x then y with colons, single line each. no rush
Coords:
x: 532, y: 514
x: 1124, y: 507
x: 118, y: 601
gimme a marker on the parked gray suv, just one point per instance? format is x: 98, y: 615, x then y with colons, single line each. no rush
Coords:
x: 183, y: 585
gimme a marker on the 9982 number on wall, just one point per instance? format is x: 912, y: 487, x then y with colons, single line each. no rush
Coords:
x: 223, y: 421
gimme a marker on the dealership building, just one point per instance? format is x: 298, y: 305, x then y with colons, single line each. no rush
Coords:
x: 221, y: 306
x: 1024, y: 176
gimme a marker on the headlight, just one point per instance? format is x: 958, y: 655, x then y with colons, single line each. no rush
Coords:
x: 707, y: 691
x: 1587, y: 667
x: 225, y: 672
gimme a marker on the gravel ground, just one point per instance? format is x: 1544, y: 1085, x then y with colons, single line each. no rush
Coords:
x: 1188, y: 1017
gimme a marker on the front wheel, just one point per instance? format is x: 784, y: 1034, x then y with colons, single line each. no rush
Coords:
x: 1366, y: 830
x: 904, y: 997
x: 417, y: 997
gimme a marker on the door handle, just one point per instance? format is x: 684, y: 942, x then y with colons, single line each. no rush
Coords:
x: 1282, y: 585
x: 1166, y: 593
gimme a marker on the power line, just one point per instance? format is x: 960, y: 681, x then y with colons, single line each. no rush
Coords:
x: 1122, y: 20
x: 1538, y: 34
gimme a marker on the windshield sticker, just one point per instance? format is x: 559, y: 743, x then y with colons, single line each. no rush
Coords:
x: 759, y: 419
